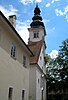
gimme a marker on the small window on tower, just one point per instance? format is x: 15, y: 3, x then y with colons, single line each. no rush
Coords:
x: 36, y: 35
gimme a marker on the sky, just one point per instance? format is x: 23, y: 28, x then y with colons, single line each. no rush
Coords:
x: 53, y: 12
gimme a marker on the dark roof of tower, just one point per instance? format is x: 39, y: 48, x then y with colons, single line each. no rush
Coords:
x: 37, y: 19
x: 37, y: 10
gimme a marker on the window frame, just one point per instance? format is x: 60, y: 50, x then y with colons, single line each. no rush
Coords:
x: 24, y: 61
x: 36, y: 34
x: 13, y: 50
x: 10, y: 93
x: 23, y: 94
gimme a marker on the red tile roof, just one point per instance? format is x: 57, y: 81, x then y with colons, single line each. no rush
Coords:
x: 35, y: 47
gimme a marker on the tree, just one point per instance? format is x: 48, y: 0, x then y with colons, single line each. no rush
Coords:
x: 52, y: 73
x: 62, y: 61
x: 57, y: 70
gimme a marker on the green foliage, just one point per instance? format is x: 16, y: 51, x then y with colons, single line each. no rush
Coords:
x: 57, y: 70
x: 62, y: 60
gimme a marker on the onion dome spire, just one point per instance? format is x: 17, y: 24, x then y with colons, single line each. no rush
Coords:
x: 37, y: 10
x: 37, y: 19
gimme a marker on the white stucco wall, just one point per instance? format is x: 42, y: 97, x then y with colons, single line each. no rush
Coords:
x: 35, y: 84
x: 32, y: 31
x: 41, y: 64
x: 12, y: 74
x: 38, y: 85
x: 44, y: 92
x: 7, y: 38
x: 32, y: 82
x: 41, y: 61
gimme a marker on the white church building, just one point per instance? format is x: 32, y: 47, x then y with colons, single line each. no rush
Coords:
x: 22, y: 67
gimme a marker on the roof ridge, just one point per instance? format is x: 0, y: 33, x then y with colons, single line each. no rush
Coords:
x: 15, y: 31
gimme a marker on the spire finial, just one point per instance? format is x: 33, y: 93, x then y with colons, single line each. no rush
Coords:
x: 37, y: 19
x: 37, y: 10
x: 36, y: 4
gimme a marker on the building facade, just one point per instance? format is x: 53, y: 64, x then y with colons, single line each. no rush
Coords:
x: 36, y: 43
x: 14, y: 63
x: 22, y: 67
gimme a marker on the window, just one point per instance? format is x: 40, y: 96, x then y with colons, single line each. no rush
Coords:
x: 38, y: 80
x: 10, y: 93
x: 42, y: 85
x: 24, y: 61
x: 23, y: 94
x: 13, y: 51
x: 36, y: 35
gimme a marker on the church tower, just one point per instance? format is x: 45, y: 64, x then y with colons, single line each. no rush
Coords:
x: 37, y: 71
x: 37, y: 29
